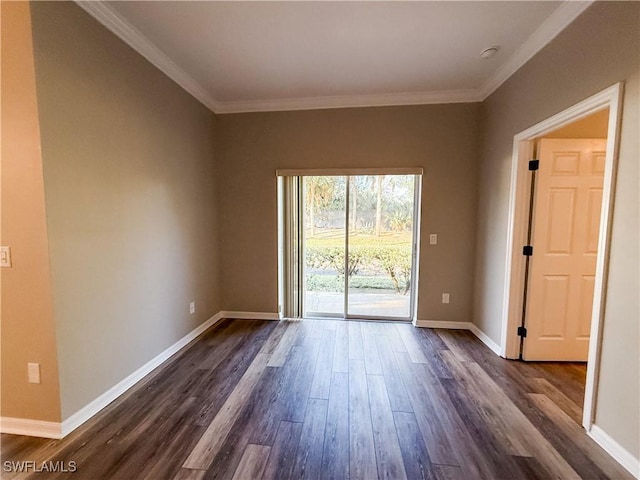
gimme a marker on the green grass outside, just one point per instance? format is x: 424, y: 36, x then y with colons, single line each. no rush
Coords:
x: 335, y: 283
x: 377, y: 255
x: 335, y: 238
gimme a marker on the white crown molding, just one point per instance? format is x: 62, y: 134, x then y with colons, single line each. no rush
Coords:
x: 557, y: 22
x: 550, y: 28
x: 350, y: 101
x: 31, y: 428
x: 101, y: 11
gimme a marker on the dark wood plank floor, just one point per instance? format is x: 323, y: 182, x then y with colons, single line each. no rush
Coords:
x: 328, y: 399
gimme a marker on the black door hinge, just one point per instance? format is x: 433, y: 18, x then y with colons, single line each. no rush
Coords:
x: 534, y: 164
x: 527, y: 250
x: 522, y: 332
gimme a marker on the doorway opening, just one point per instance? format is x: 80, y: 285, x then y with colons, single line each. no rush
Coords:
x: 566, y: 199
x: 349, y: 244
x: 559, y: 231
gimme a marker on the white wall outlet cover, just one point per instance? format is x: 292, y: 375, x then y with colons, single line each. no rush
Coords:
x: 445, y: 298
x: 433, y: 239
x: 5, y: 256
x: 192, y: 307
x: 34, y: 372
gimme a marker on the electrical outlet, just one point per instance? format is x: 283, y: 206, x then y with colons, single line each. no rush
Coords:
x: 445, y: 298
x: 433, y: 239
x: 192, y: 308
x: 34, y: 372
x: 5, y: 256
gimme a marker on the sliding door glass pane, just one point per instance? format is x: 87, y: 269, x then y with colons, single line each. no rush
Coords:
x: 380, y: 243
x: 324, y: 245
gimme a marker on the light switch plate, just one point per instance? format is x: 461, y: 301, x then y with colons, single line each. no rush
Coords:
x: 433, y: 239
x: 34, y: 372
x: 5, y: 256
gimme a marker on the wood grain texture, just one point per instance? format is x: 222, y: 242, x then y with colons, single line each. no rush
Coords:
x: 371, y: 356
x: 449, y: 472
x: 335, y: 400
x: 225, y: 463
x: 324, y: 365
x: 297, y: 397
x: 493, y: 410
x: 414, y: 452
x: 356, y: 350
x: 187, y: 474
x: 362, y: 454
x: 448, y: 337
x: 581, y: 442
x: 411, y: 343
x: 398, y: 397
x: 283, y: 452
x: 274, y: 398
x: 341, y: 351
x: 568, y: 406
x: 335, y: 455
x: 211, y: 440
x: 253, y: 462
x: 308, y: 462
x: 433, y: 433
x: 467, y: 449
x: 385, y: 437
x: 392, y: 334
x: 287, y: 341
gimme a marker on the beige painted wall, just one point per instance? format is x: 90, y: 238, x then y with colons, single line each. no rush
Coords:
x: 443, y: 139
x: 599, y: 49
x: 129, y: 172
x: 28, y: 333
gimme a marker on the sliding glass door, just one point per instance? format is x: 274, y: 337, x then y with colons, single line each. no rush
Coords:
x: 358, y: 244
x: 325, y: 213
x: 380, y: 241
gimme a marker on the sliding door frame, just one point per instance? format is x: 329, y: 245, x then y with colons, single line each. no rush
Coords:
x: 415, y: 253
x: 415, y: 237
x: 347, y: 216
x: 290, y: 247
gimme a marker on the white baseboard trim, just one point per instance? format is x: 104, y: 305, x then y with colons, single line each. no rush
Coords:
x: 444, y: 325
x: 31, y: 428
x: 484, y: 338
x: 92, y: 408
x: 249, y: 315
x: 37, y: 428
x: 617, y: 451
x: 613, y: 448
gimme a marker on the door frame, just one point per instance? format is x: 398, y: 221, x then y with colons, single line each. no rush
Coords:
x: 415, y: 239
x: 523, y: 147
x: 415, y: 259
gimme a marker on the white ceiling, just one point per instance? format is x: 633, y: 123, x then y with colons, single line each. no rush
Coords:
x: 255, y: 56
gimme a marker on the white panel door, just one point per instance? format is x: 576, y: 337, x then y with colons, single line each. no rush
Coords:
x: 566, y: 221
